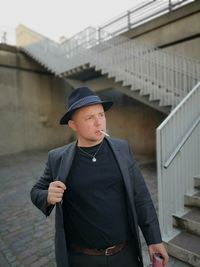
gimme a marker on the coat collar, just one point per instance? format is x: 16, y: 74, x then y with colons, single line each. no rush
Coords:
x: 69, y: 154
x: 66, y: 162
x: 121, y: 159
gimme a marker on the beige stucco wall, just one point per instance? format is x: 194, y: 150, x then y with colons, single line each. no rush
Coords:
x: 178, y: 30
x: 189, y: 48
x: 31, y: 103
x: 32, y: 100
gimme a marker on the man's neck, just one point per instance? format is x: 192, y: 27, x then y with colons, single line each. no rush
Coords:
x: 88, y: 143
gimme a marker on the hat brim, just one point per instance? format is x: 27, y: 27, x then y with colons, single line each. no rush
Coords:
x: 67, y: 116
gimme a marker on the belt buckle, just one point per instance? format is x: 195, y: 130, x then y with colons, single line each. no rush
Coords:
x: 107, y: 253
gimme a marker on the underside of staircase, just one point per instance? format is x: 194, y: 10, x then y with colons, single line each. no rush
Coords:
x: 186, y: 245
x: 101, y: 79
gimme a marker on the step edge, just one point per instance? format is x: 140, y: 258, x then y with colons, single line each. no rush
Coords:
x: 181, y: 248
x: 185, y: 219
x: 170, y: 248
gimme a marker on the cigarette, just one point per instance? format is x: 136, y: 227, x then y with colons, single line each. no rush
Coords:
x: 104, y: 133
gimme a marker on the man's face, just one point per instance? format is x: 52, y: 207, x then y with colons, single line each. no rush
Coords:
x: 87, y: 123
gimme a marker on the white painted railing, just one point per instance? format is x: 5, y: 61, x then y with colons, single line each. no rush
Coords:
x: 139, y: 14
x: 131, y: 60
x: 178, y: 159
x: 7, y: 35
x: 164, y: 76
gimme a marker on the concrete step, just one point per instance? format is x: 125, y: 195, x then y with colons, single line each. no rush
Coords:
x: 185, y: 247
x: 197, y: 181
x: 192, y: 201
x: 189, y: 222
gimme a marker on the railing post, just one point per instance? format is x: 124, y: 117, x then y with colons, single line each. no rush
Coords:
x: 170, y: 5
x: 99, y: 35
x: 129, y: 19
x: 3, y: 37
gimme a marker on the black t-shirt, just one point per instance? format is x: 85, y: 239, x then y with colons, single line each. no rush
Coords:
x: 94, y: 204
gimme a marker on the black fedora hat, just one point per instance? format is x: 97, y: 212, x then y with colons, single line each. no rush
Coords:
x: 82, y: 97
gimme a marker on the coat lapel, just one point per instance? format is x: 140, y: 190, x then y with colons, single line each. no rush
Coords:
x: 66, y: 162
x: 122, y: 162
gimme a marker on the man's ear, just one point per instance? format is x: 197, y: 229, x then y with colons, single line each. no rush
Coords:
x: 72, y: 125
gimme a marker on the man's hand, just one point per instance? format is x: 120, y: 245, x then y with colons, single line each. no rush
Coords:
x: 158, y: 248
x: 55, y: 192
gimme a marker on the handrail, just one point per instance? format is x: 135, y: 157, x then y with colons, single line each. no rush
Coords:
x: 127, y: 14
x: 172, y: 75
x: 175, y: 110
x: 187, y: 135
x: 176, y: 170
x: 86, y: 45
x: 142, y: 10
x: 141, y: 13
x: 181, y: 144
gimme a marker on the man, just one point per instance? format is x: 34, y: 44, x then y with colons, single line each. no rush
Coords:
x: 99, y: 193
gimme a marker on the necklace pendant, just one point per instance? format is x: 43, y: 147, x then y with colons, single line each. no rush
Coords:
x: 94, y: 159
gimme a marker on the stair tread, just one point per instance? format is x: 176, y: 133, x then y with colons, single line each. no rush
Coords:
x: 187, y: 241
x: 193, y: 215
x: 197, y: 195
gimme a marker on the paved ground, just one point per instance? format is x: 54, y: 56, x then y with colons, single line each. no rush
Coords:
x: 26, y: 235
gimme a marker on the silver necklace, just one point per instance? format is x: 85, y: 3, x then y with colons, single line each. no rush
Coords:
x: 90, y: 155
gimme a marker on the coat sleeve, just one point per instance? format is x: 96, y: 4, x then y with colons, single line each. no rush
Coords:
x: 145, y: 211
x: 39, y: 191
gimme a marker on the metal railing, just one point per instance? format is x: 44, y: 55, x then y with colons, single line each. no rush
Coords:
x: 7, y: 35
x: 140, y: 14
x: 132, y: 59
x: 141, y: 67
x: 178, y: 155
x: 162, y: 75
x: 130, y: 19
x: 133, y: 17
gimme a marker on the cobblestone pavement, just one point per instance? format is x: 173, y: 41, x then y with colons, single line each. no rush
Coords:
x: 26, y: 235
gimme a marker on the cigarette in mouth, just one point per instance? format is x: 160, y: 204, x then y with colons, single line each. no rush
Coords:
x: 104, y: 133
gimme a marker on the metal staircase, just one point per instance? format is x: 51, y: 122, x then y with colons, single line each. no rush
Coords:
x: 178, y: 154
x: 186, y: 245
x: 150, y: 75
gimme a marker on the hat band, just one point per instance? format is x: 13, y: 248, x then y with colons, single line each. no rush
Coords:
x: 83, y: 101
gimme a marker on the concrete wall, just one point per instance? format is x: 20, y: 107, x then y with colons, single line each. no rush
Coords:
x: 32, y: 100
x: 31, y: 104
x: 133, y: 121
x: 177, y: 32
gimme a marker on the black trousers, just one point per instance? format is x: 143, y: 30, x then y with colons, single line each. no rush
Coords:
x: 125, y: 258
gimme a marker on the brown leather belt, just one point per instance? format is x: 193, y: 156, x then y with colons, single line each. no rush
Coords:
x: 99, y: 252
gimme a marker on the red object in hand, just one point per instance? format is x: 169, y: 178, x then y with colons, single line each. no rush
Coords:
x: 157, y: 260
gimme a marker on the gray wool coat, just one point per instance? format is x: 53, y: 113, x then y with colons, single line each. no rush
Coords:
x: 140, y: 207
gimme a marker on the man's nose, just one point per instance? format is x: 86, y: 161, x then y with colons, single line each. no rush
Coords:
x: 97, y: 121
